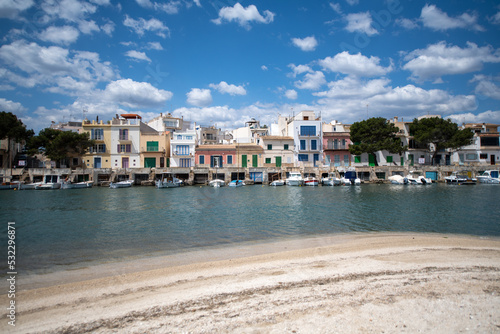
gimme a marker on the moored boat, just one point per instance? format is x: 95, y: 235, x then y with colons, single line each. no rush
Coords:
x: 77, y: 185
x: 236, y: 183
x: 489, y: 176
x: 456, y: 178
x: 295, y: 179
x: 217, y: 183
x: 398, y: 179
x: 311, y: 181
x: 330, y: 180
x: 277, y: 183
x: 50, y: 182
x: 121, y: 184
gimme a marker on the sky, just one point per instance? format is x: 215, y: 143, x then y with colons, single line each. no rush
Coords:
x: 222, y: 62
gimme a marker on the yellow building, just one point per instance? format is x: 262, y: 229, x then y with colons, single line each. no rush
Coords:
x: 99, y: 156
x: 155, y: 148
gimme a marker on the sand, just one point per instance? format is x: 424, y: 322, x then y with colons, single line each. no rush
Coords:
x: 380, y: 283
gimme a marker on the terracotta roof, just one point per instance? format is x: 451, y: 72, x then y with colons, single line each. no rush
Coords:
x: 216, y: 147
x: 276, y: 138
x: 132, y: 116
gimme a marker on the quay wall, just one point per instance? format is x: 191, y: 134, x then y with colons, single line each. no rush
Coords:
x: 264, y: 175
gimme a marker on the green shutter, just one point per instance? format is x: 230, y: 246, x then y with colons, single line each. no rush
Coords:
x: 269, y: 146
x: 268, y: 160
x: 255, y: 160
x: 371, y: 160
x: 278, y: 161
x: 285, y: 147
x: 402, y: 161
x: 244, y: 161
x: 410, y: 157
x: 357, y: 159
x: 149, y: 162
x: 389, y: 158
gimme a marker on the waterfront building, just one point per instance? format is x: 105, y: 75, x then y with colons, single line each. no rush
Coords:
x: 278, y: 151
x: 215, y: 156
x: 98, y: 156
x: 250, y: 133
x: 67, y: 126
x: 209, y: 135
x: 336, y: 141
x: 155, y: 148
x: 168, y: 123
x: 485, y: 148
x: 182, y: 148
x: 307, y: 133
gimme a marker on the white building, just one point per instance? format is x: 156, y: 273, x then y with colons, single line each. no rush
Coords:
x: 250, y: 133
x: 182, y: 148
x: 125, y: 141
x: 306, y: 131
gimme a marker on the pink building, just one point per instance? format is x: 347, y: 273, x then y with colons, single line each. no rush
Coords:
x: 215, y: 156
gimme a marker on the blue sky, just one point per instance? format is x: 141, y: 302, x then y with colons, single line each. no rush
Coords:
x: 222, y: 62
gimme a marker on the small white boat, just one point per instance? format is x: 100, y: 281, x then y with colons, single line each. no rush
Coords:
x: 5, y: 185
x: 295, y: 179
x: 236, y: 183
x: 171, y: 182
x: 350, y: 179
x: 311, y: 181
x: 489, y: 176
x: 416, y: 179
x: 330, y: 180
x: 456, y: 178
x: 277, y: 183
x: 217, y: 183
x: 398, y: 179
x: 77, y: 185
x: 30, y: 186
x: 49, y: 182
x: 121, y: 184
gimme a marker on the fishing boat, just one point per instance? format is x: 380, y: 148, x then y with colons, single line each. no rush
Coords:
x: 236, y: 183
x: 489, y: 176
x: 169, y: 182
x: 77, y: 185
x: 50, y: 182
x: 330, y: 180
x: 217, y: 183
x: 456, y: 178
x: 9, y: 184
x: 311, y: 181
x: 277, y: 183
x: 295, y: 179
x: 121, y: 184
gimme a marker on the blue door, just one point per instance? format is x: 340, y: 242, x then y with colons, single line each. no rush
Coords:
x: 97, y: 162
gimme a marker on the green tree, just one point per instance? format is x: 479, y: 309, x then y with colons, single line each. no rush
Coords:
x: 441, y: 133
x: 373, y: 135
x: 12, y: 128
x: 58, y: 145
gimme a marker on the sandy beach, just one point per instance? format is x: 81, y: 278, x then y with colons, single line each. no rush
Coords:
x: 362, y: 283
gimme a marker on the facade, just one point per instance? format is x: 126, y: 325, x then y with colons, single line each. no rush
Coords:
x: 250, y: 133
x: 209, y: 135
x: 249, y: 156
x: 215, y: 156
x: 67, y: 126
x: 307, y: 132
x: 278, y: 151
x: 166, y: 122
x: 485, y: 149
x: 125, y: 141
x: 336, y: 141
x: 155, y: 148
x: 99, y: 156
x: 182, y: 148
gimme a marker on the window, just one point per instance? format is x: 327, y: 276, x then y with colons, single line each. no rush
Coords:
x: 171, y: 124
x: 179, y: 137
x: 303, y: 157
x: 269, y: 146
x: 152, y: 146
x: 98, y: 148
x: 124, y: 148
x: 189, y: 137
x: 335, y: 144
x: 285, y: 147
x: 229, y: 159
x: 182, y: 149
x: 314, y: 145
x: 471, y: 156
x: 346, y: 159
x: 489, y: 141
x: 388, y: 158
x: 123, y: 134
x: 97, y: 134
x: 357, y: 159
x: 483, y: 156
x: 202, y: 159
x: 308, y: 130
x: 336, y: 160
x: 185, y: 162
x: 268, y: 160
x: 302, y: 145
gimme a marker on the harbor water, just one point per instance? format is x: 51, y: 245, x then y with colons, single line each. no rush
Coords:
x: 59, y: 230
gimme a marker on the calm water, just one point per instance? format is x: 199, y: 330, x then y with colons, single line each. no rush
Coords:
x: 65, y: 229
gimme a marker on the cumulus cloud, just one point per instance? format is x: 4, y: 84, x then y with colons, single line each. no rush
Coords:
x: 434, y: 18
x: 312, y: 81
x: 305, y: 44
x: 360, y: 22
x: 484, y: 117
x: 141, y: 26
x: 354, y: 88
x: 486, y: 87
x: 291, y: 94
x: 441, y: 59
x: 11, y: 106
x: 60, y: 35
x: 199, y: 97
x: 69, y: 10
x: 11, y: 9
x: 299, y: 69
x: 243, y: 16
x: 154, y: 46
x: 225, y: 88
x: 407, y: 23
x: 357, y: 65
x: 263, y: 67
x: 132, y: 94
x: 137, y: 55
x: 495, y: 19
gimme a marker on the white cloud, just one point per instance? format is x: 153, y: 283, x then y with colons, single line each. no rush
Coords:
x: 243, y: 16
x: 299, y: 69
x: 407, y: 23
x: 225, y: 88
x: 87, y: 27
x: 108, y: 28
x: 486, y: 87
x: 199, y: 97
x: 171, y: 7
x: 336, y: 7
x: 357, y: 64
x: 141, y: 26
x: 440, y: 59
x: 291, y: 94
x: 353, y: 88
x: 154, y: 46
x: 134, y: 94
x: 11, y: 106
x: 312, y: 81
x: 305, y: 44
x: 137, y: 55
x: 360, y: 22
x: 60, y: 35
x: 263, y: 67
x: 11, y: 9
x: 434, y: 18
x: 352, y: 2
x: 484, y: 117
x: 495, y: 19
x: 69, y: 10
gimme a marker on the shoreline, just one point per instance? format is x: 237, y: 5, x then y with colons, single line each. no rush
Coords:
x: 340, y: 283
